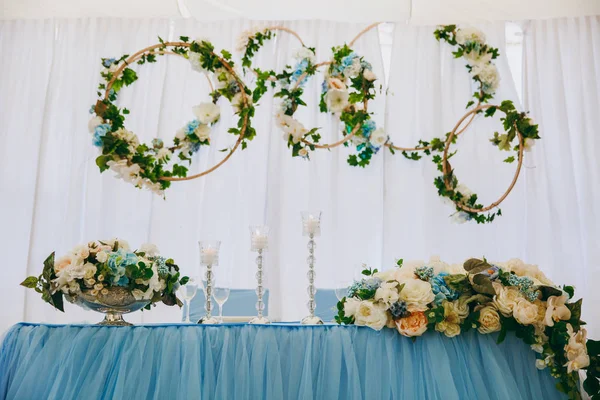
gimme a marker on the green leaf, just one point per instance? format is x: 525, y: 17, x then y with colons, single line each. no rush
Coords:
x: 509, y: 159
x: 482, y: 284
x: 458, y: 282
x: 591, y: 385
x: 475, y: 265
x: 101, y: 162
x: 30, y: 282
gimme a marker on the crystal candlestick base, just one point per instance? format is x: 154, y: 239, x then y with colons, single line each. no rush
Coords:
x: 209, y: 256
x: 260, y: 306
x: 208, y: 318
x: 311, y: 319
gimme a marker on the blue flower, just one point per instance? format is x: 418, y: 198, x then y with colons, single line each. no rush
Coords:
x: 194, y: 147
x: 191, y: 127
x: 324, y: 87
x: 424, y: 273
x: 93, y: 109
x: 368, y: 127
x: 108, y: 62
x: 441, y: 290
x: 366, y: 65
x: 399, y: 310
x: 123, y: 281
x: 117, y: 261
x: 349, y: 59
x: 97, y: 140
x: 364, y: 284
x: 99, y: 132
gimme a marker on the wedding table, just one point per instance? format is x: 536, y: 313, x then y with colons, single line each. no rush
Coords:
x: 278, y: 361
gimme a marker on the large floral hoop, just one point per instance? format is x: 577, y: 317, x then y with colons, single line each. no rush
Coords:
x: 290, y: 84
x: 148, y: 166
x: 519, y: 128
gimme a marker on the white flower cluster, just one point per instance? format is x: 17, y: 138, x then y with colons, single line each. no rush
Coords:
x: 246, y: 36
x: 479, y: 59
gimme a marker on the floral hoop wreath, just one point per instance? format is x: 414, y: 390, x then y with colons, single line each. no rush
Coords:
x: 149, y: 165
x: 346, y: 66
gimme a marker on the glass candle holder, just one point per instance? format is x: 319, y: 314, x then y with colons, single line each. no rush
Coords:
x: 311, y: 227
x: 209, y: 257
x: 259, y: 242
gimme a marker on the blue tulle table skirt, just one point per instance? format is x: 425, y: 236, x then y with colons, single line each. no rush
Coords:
x: 283, y: 361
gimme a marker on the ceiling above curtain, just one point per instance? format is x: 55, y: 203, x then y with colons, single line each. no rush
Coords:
x: 419, y: 12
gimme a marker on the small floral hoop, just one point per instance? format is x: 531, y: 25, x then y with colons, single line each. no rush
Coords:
x: 518, y: 127
x: 148, y: 166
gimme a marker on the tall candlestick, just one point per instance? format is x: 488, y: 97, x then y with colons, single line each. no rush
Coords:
x: 209, y: 257
x: 259, y: 242
x: 311, y: 227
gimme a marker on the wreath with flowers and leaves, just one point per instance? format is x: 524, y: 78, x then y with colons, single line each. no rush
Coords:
x: 155, y: 166
x: 346, y: 90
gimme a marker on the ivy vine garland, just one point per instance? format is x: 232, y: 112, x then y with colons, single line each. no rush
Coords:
x: 347, y: 88
x: 151, y: 166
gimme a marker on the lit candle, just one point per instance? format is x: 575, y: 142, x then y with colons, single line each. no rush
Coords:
x: 208, y: 255
x: 312, y: 225
x: 259, y: 242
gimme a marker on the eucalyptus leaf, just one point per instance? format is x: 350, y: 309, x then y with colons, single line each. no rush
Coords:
x: 482, y: 284
x: 475, y: 265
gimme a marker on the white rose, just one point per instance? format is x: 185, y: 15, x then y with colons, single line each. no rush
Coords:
x: 89, y: 270
x: 195, y: 62
x: 387, y: 292
x: 101, y: 256
x: 150, y: 249
x: 378, y: 137
x: 370, y: 314
x: 180, y: 134
x: 506, y: 298
x: 303, y: 152
x: 238, y: 102
x: 164, y: 154
x: 557, y: 310
x: 369, y: 75
x: 203, y: 132
x: 351, y: 306
x: 304, y: 53
x: 207, y: 113
x: 94, y: 122
x: 528, y: 144
x: 470, y: 34
x: 475, y: 58
x: 488, y: 75
x: 525, y: 313
x: 417, y: 294
x: 337, y: 100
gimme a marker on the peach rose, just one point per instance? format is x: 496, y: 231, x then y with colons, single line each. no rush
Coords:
x: 413, y: 325
x: 62, y: 263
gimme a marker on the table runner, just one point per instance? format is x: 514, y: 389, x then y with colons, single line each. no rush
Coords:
x: 280, y: 361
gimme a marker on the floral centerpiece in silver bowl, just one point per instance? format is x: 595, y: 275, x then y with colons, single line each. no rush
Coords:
x: 106, y: 276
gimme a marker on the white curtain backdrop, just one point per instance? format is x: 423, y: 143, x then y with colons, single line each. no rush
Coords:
x: 562, y: 91
x: 54, y: 197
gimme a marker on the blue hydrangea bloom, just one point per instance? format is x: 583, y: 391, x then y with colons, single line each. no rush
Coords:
x: 324, y: 87
x: 366, y: 65
x: 424, y: 273
x: 93, y: 109
x: 191, y: 127
x: 97, y: 140
x: 441, y: 290
x: 364, y: 284
x: 99, y: 133
x: 368, y: 127
x: 123, y: 281
x: 108, y: 62
x: 399, y: 310
x: 349, y: 59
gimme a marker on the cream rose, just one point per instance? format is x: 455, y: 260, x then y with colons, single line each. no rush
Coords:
x: 337, y: 100
x: 336, y: 83
x: 351, y: 306
x: 469, y: 34
x: 207, y: 113
x: 387, y: 292
x: 369, y: 75
x: 525, y: 312
x: 303, y: 152
x: 203, y: 132
x: 417, y: 294
x: 413, y: 325
x: 378, y: 138
x: 489, y: 319
x: 370, y: 314
x: 101, y: 256
x: 506, y: 298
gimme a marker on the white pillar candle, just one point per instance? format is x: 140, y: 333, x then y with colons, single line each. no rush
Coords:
x: 312, y: 225
x: 208, y: 255
x: 259, y: 242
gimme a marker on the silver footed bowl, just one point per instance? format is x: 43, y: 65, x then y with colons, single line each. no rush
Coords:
x: 113, y: 305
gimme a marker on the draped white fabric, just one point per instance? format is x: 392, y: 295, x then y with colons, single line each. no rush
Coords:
x: 54, y: 197
x: 562, y: 91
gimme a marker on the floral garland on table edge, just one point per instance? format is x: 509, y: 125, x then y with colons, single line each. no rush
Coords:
x: 346, y: 71
x: 99, y: 265
x: 489, y: 297
x: 147, y: 165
